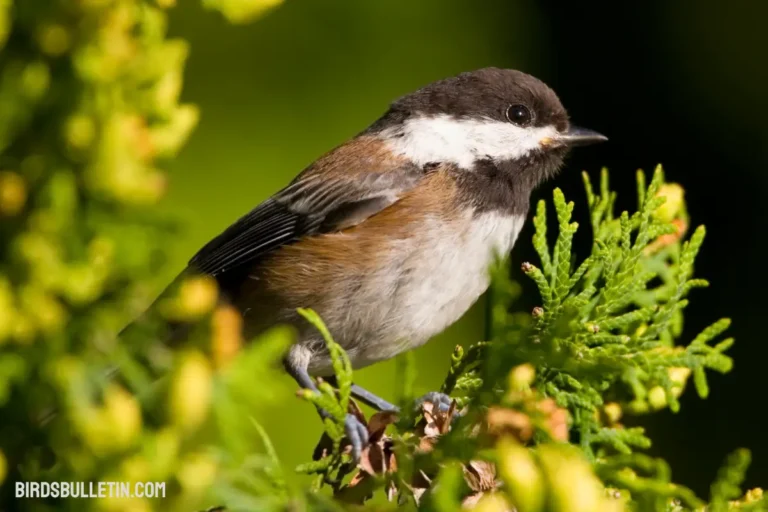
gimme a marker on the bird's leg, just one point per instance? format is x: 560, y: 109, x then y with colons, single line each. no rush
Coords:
x: 357, y: 433
x: 365, y: 396
x: 372, y: 400
x: 441, y: 400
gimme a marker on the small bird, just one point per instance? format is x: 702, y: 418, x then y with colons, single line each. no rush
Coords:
x: 389, y: 236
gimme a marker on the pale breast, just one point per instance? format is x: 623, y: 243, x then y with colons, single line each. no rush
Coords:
x: 427, y: 284
x: 388, y: 284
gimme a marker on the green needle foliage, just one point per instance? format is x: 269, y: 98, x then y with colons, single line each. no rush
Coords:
x: 90, y: 114
x: 605, y: 343
x: 604, y: 329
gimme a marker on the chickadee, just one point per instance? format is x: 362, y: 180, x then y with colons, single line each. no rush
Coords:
x: 389, y: 236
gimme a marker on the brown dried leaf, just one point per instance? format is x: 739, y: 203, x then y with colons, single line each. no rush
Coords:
x: 421, y: 483
x: 392, y: 462
x: 501, y: 420
x: 356, y: 411
x: 480, y: 475
x: 547, y: 406
x: 359, y: 492
x: 470, y: 501
x: 378, y: 424
x: 370, y: 459
x: 558, y: 424
x: 426, y: 444
x: 557, y: 420
x: 437, y: 422
x: 431, y: 429
x: 378, y: 456
x: 448, y: 419
x: 359, y: 477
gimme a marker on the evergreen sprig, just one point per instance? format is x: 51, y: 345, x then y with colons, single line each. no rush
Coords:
x: 598, y: 333
x: 332, y: 464
x: 605, y: 342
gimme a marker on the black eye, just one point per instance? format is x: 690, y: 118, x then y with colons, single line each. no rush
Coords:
x: 519, y: 115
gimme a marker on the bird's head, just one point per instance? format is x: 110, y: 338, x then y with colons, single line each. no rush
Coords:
x: 499, y: 116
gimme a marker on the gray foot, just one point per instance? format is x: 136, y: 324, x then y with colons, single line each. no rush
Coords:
x: 357, y: 434
x: 441, y: 400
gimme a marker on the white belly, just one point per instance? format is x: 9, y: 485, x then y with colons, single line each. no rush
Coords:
x: 424, y: 287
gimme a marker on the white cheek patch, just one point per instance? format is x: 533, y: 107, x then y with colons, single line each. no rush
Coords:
x: 463, y: 141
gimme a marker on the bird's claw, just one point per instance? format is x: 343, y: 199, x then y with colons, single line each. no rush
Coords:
x: 441, y: 400
x: 357, y: 434
x: 443, y: 403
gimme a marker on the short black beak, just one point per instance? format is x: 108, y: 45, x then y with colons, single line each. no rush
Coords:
x: 577, y: 136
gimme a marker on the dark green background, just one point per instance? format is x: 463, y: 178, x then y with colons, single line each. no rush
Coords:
x: 681, y: 83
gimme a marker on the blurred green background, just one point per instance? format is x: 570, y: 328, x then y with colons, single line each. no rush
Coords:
x: 681, y: 83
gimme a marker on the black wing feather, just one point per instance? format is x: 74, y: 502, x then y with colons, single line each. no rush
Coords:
x: 308, y: 206
x: 265, y: 228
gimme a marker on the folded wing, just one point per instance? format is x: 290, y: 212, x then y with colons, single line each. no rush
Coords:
x: 337, y: 192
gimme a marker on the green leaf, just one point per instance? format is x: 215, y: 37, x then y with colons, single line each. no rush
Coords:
x: 540, y: 237
x: 729, y: 479
x: 342, y: 367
